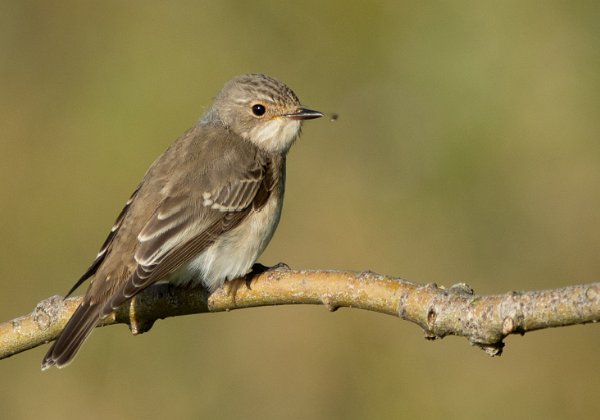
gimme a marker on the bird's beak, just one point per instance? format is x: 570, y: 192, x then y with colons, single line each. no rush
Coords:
x: 304, y: 114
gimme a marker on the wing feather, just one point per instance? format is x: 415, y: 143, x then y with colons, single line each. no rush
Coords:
x: 184, y: 225
x: 169, y: 220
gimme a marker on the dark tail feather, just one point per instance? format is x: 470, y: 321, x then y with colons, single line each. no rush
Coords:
x: 69, y: 341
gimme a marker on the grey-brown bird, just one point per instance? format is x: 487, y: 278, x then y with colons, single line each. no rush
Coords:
x: 204, y: 211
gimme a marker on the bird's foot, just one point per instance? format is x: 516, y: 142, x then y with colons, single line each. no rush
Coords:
x: 233, y: 286
x: 258, y: 268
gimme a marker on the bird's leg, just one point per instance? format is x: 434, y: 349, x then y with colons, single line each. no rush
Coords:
x: 232, y: 286
x: 258, y: 269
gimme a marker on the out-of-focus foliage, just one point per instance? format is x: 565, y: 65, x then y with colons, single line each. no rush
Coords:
x: 467, y: 150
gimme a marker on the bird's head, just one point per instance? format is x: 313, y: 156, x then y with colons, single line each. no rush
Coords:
x: 262, y: 110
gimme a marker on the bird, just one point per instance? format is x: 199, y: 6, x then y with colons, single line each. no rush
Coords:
x: 204, y: 211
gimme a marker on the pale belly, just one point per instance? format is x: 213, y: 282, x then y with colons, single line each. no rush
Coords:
x: 234, y: 253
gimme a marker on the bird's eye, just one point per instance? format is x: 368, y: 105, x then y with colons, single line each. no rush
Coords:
x: 258, y: 110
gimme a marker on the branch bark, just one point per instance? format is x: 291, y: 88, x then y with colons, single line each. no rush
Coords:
x: 484, y: 320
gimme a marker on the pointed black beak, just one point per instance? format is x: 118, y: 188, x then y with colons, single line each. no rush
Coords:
x: 304, y: 114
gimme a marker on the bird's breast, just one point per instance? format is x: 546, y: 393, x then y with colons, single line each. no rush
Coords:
x: 233, y: 253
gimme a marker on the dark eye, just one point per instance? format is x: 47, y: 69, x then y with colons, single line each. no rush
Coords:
x: 258, y: 110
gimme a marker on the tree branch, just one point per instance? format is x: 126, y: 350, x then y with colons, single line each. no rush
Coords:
x: 484, y: 320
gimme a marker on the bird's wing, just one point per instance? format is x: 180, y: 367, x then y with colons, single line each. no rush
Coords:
x: 188, y: 220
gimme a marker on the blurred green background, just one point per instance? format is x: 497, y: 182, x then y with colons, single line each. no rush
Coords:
x: 467, y: 150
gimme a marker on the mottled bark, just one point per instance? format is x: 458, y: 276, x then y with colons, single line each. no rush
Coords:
x: 483, y: 320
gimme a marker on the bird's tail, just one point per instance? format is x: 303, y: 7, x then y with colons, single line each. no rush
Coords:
x: 69, y: 341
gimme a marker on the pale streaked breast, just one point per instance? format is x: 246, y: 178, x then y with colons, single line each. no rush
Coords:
x: 234, y: 253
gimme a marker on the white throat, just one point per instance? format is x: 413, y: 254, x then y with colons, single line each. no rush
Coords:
x: 276, y: 135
